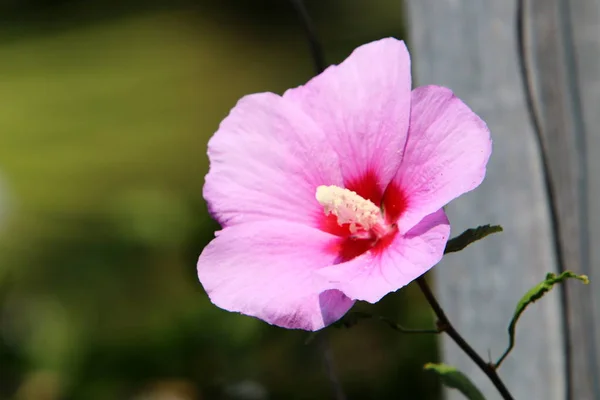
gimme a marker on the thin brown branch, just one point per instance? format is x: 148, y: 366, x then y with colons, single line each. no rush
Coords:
x: 444, y: 323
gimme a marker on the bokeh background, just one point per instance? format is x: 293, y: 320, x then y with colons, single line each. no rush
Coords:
x: 105, y: 111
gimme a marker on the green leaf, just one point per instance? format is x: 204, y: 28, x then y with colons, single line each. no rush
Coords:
x: 455, y: 379
x: 469, y: 236
x: 532, y: 295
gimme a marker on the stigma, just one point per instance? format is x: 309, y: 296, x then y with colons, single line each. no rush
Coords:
x: 362, y: 215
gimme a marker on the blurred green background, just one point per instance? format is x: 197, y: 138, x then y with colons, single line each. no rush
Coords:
x: 105, y: 111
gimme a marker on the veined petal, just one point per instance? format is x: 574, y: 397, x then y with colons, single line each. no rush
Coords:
x: 374, y: 274
x: 266, y: 270
x: 446, y: 153
x: 266, y: 161
x: 363, y: 105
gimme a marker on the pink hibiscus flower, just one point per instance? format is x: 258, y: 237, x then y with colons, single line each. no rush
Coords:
x: 334, y: 191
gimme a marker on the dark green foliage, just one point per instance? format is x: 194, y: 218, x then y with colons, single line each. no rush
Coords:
x: 469, y: 236
x: 453, y: 378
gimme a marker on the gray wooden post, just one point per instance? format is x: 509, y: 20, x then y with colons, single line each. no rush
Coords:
x: 585, y: 22
x: 470, y: 46
x: 566, y: 68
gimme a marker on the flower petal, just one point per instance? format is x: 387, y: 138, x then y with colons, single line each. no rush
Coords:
x: 363, y: 105
x: 446, y: 153
x: 266, y: 161
x: 372, y: 275
x: 266, y: 270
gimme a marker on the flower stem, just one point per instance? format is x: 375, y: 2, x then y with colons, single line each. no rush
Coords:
x: 336, y: 385
x: 444, y: 324
x: 316, y: 50
x: 356, y: 316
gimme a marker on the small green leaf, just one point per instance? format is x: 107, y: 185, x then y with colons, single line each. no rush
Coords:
x: 469, y: 236
x: 532, y: 295
x: 455, y: 379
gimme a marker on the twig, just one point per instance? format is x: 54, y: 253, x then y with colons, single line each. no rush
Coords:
x: 316, y: 50
x: 329, y: 364
x: 447, y: 327
x: 319, y: 62
x: 358, y: 315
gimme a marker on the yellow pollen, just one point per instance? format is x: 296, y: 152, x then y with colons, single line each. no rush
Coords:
x: 349, y: 208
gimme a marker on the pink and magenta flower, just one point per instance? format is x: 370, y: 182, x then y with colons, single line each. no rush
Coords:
x: 334, y: 191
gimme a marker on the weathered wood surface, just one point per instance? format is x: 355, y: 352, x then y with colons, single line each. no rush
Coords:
x: 470, y: 46
x: 585, y: 25
x: 554, y: 34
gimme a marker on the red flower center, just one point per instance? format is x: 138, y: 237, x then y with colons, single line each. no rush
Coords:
x: 372, y: 227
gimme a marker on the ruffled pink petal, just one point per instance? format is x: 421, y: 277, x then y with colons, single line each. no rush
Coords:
x: 266, y: 161
x: 372, y: 275
x: 266, y: 270
x: 363, y: 105
x: 446, y: 153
